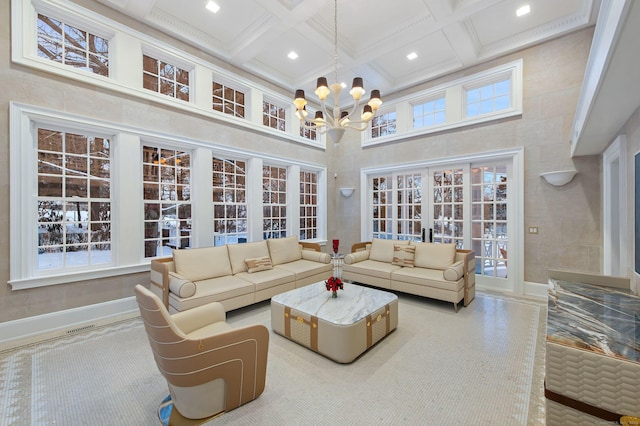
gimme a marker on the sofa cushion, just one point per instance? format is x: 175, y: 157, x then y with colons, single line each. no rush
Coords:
x: 425, y: 277
x: 403, y: 255
x: 306, y: 268
x: 181, y: 286
x: 257, y: 264
x: 284, y: 250
x: 267, y: 279
x: 202, y: 263
x: 434, y: 255
x: 372, y: 268
x: 239, y: 253
x: 382, y: 250
x: 454, y: 272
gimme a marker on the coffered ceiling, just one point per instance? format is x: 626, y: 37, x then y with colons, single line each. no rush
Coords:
x: 374, y: 36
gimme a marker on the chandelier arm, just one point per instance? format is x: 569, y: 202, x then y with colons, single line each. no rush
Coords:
x: 356, y: 104
x: 357, y: 125
x: 329, y: 118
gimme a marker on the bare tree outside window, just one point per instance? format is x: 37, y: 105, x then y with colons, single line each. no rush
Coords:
x: 74, y: 200
x: 273, y: 116
x: 228, y: 100
x: 274, y: 202
x: 229, y: 201
x: 162, y: 77
x: 166, y: 175
x: 63, y: 43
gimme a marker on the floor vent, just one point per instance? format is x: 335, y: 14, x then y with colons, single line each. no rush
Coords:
x: 80, y: 329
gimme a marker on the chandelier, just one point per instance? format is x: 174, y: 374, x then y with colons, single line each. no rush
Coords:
x: 335, y: 122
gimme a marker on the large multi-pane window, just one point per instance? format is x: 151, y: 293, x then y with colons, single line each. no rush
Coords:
x: 273, y: 116
x: 448, y: 206
x: 274, y: 202
x: 382, y: 198
x: 166, y: 175
x: 489, y: 219
x: 383, y: 125
x: 228, y: 100
x: 66, y: 44
x: 167, y: 79
x: 74, y: 200
x: 229, y: 201
x: 429, y: 113
x: 308, y: 205
x: 488, y: 98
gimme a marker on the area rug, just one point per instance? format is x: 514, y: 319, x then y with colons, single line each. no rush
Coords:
x: 477, y: 366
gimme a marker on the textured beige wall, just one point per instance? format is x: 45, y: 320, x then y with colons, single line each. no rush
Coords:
x: 568, y: 217
x: 21, y: 84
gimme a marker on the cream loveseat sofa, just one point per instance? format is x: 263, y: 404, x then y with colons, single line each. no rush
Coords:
x: 438, y: 271
x: 237, y: 275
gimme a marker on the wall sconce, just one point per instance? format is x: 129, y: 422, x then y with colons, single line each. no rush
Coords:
x: 347, y: 192
x: 559, y: 178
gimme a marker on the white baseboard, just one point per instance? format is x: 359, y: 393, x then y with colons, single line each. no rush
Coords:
x: 41, y: 327
x: 536, y: 290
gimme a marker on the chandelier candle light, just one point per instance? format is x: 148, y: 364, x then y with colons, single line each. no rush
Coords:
x: 336, y: 122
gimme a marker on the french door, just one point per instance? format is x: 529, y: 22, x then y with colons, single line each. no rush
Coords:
x: 466, y: 204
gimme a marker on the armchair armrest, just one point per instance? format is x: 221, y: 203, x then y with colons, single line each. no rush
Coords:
x: 359, y: 246
x: 469, y: 262
x: 159, y: 275
x: 198, y: 317
x: 238, y: 356
x: 310, y: 246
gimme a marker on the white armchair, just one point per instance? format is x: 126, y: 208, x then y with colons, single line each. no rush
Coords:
x: 210, y: 367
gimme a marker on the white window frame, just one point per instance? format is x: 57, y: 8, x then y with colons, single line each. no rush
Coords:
x: 125, y: 66
x: 126, y: 157
x: 455, y: 109
x: 174, y: 61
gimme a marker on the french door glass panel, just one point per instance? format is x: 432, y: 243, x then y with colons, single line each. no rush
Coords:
x: 397, y: 206
x: 489, y: 189
x: 448, y: 205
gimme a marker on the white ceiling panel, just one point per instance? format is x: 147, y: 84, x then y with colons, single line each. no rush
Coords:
x: 374, y: 36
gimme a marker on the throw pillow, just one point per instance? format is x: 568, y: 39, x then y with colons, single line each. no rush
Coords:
x: 181, y: 286
x: 403, y: 255
x: 257, y: 264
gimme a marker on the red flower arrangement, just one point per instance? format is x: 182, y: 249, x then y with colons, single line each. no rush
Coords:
x: 333, y: 285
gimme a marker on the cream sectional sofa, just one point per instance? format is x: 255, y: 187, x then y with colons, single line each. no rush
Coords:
x: 237, y: 275
x: 437, y: 271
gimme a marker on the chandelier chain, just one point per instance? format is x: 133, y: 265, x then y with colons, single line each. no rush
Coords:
x: 335, y: 40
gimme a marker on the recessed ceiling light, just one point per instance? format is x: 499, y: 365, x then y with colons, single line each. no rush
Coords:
x: 411, y: 56
x: 523, y: 10
x: 292, y: 55
x: 213, y: 7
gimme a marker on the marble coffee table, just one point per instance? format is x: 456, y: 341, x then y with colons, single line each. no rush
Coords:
x: 339, y: 328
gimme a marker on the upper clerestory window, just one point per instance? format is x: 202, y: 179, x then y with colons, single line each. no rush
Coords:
x: 489, y: 98
x: 167, y: 79
x: 429, y: 113
x: 68, y: 45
